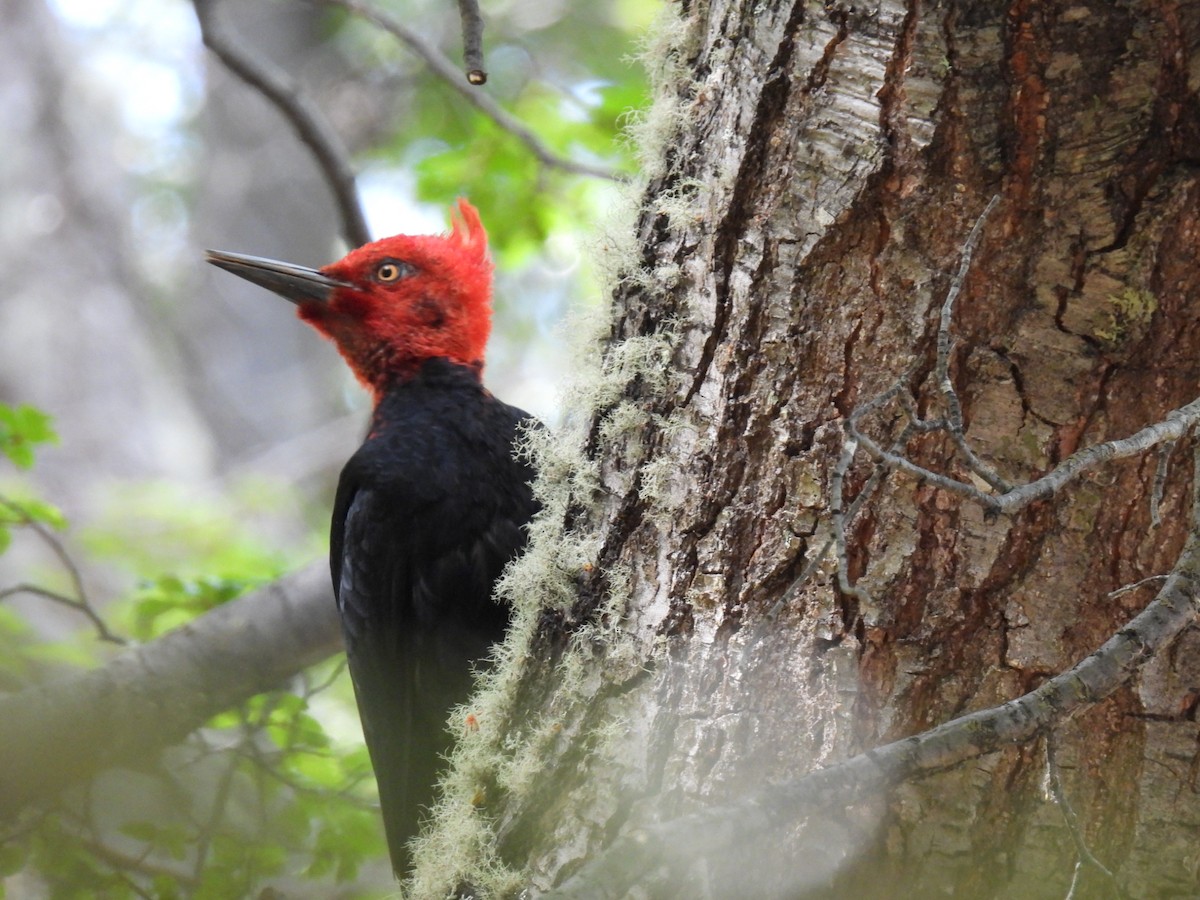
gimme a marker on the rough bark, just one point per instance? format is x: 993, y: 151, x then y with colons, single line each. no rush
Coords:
x: 823, y: 169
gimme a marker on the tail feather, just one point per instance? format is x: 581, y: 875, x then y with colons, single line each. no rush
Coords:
x: 403, y: 705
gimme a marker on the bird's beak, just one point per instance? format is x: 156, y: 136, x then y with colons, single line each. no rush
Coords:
x: 299, y: 284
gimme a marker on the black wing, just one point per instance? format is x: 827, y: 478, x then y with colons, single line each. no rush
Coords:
x: 414, y: 561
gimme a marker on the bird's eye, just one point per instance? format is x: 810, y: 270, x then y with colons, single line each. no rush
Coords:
x: 392, y: 270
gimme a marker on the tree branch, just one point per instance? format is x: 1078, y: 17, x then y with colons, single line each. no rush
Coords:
x: 1005, y: 497
x: 81, y: 606
x: 444, y: 69
x: 80, y: 602
x: 305, y: 117
x: 472, y: 29
x: 150, y: 697
x: 945, y: 344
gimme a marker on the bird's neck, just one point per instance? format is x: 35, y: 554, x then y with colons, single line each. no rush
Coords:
x: 430, y: 378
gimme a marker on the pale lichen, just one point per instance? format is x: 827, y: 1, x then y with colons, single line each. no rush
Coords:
x: 610, y: 391
x: 1128, y: 314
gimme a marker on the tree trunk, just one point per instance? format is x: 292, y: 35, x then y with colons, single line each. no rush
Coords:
x: 816, y: 170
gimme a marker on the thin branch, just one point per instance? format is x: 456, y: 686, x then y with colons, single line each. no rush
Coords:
x: 444, y: 69
x: 838, y: 479
x: 311, y: 690
x: 80, y: 602
x: 50, y: 539
x: 472, y: 29
x: 946, y: 343
x: 305, y: 117
x: 208, y: 829
x: 1008, y: 498
x: 1160, y: 481
x: 1082, y: 851
x: 1172, y: 427
x: 266, y: 764
x: 897, y: 462
x: 123, y: 863
x: 1130, y: 588
x: 102, y: 630
x: 835, y: 505
x: 839, y: 526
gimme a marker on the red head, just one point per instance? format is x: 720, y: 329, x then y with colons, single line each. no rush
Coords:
x: 392, y: 304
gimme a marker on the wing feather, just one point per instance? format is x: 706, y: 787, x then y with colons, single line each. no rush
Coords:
x: 413, y: 571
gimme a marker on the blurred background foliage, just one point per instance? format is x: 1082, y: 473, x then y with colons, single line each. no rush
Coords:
x: 187, y: 431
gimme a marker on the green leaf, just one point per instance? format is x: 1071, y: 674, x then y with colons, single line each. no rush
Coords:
x: 42, y: 512
x: 22, y: 427
x: 141, y: 831
x: 169, y: 601
x: 165, y: 887
x: 12, y: 858
x: 318, y: 770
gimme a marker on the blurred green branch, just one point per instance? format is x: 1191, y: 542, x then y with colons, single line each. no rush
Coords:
x: 152, y: 696
x: 444, y: 69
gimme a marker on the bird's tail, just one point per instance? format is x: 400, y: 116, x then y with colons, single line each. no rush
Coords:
x: 404, y: 721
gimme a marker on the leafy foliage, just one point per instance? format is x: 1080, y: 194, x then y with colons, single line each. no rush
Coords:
x: 571, y: 94
x: 170, y: 601
x: 21, y: 429
x: 266, y: 794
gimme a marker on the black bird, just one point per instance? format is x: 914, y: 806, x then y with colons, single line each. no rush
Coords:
x: 431, y: 507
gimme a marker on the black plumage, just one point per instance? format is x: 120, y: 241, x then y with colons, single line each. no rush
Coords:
x: 432, y: 506
x: 428, y: 513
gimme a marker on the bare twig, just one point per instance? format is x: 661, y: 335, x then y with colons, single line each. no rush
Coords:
x: 897, y: 462
x: 1172, y: 427
x: 81, y: 606
x: 1012, y: 498
x: 311, y: 690
x: 265, y: 764
x: 123, y: 863
x: 1082, y: 851
x: 1130, y: 588
x: 839, y: 526
x: 944, y: 346
x: 1007, y: 498
x: 208, y: 828
x: 79, y: 602
x: 472, y: 29
x: 840, y: 521
x: 305, y: 117
x: 449, y: 73
x: 50, y: 539
x: 837, y: 539
x: 1160, y: 481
